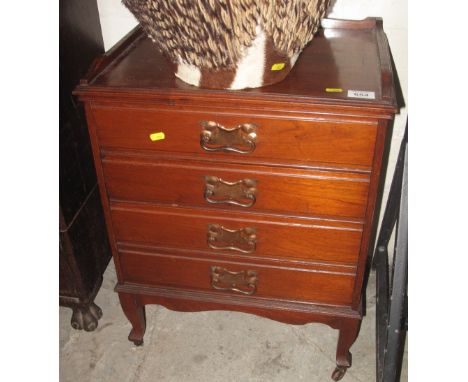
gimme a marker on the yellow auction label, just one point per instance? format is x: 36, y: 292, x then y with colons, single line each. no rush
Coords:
x: 157, y: 136
x: 333, y: 90
x: 278, y: 66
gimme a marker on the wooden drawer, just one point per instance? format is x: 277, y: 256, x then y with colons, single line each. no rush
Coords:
x: 255, y: 235
x: 277, y: 139
x: 256, y: 188
x: 287, y: 283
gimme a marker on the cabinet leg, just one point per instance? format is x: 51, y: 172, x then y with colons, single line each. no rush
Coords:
x: 135, y: 313
x: 86, y: 317
x: 349, y: 331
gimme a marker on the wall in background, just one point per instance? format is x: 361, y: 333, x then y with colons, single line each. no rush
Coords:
x: 395, y: 22
x: 116, y: 21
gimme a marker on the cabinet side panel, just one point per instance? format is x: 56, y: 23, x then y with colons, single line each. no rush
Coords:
x: 102, y: 185
x: 371, y: 212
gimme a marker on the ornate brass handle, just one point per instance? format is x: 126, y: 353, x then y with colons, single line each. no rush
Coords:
x: 241, y: 193
x: 240, y: 139
x: 242, y: 240
x: 244, y: 282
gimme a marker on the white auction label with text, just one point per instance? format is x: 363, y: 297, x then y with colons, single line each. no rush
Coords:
x: 361, y: 94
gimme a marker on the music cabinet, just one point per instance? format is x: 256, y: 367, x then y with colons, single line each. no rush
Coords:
x: 260, y: 201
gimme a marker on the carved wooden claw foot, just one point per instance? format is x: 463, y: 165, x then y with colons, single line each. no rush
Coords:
x: 339, y: 373
x: 86, y: 317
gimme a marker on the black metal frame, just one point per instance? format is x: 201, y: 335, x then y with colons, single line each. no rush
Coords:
x: 392, y: 284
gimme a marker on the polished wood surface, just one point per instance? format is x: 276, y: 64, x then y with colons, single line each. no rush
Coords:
x: 335, y: 59
x: 287, y: 191
x: 279, y: 222
x: 287, y: 283
x: 282, y: 139
x: 276, y: 236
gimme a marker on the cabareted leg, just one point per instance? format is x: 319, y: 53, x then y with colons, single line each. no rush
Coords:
x: 349, y: 331
x: 135, y: 313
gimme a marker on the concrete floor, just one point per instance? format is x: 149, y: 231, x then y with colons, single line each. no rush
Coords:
x: 208, y: 347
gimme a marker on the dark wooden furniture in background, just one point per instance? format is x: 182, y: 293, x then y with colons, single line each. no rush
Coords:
x: 84, y: 247
x: 260, y: 201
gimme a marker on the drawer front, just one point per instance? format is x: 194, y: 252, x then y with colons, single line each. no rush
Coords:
x: 251, y: 138
x: 237, y: 233
x: 250, y: 188
x: 227, y: 277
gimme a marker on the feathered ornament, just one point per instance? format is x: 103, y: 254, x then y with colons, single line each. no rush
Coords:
x: 230, y: 44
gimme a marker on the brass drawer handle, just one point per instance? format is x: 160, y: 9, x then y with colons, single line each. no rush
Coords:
x: 242, y: 240
x: 244, y: 282
x: 240, y: 139
x: 241, y: 193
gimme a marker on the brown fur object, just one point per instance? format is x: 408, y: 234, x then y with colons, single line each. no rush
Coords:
x: 212, y: 34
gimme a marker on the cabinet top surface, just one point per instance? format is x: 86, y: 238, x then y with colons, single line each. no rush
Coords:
x: 346, y: 55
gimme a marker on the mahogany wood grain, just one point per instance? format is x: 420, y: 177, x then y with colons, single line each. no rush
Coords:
x: 135, y: 312
x: 102, y: 188
x: 325, y: 266
x: 348, y: 334
x: 296, y: 284
x: 286, y: 139
x: 334, y: 59
x: 318, y: 160
x: 276, y: 236
x: 367, y: 244
x: 277, y: 190
x: 102, y: 61
x: 290, y: 312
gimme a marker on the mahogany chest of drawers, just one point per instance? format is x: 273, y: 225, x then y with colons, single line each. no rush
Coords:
x: 260, y: 201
